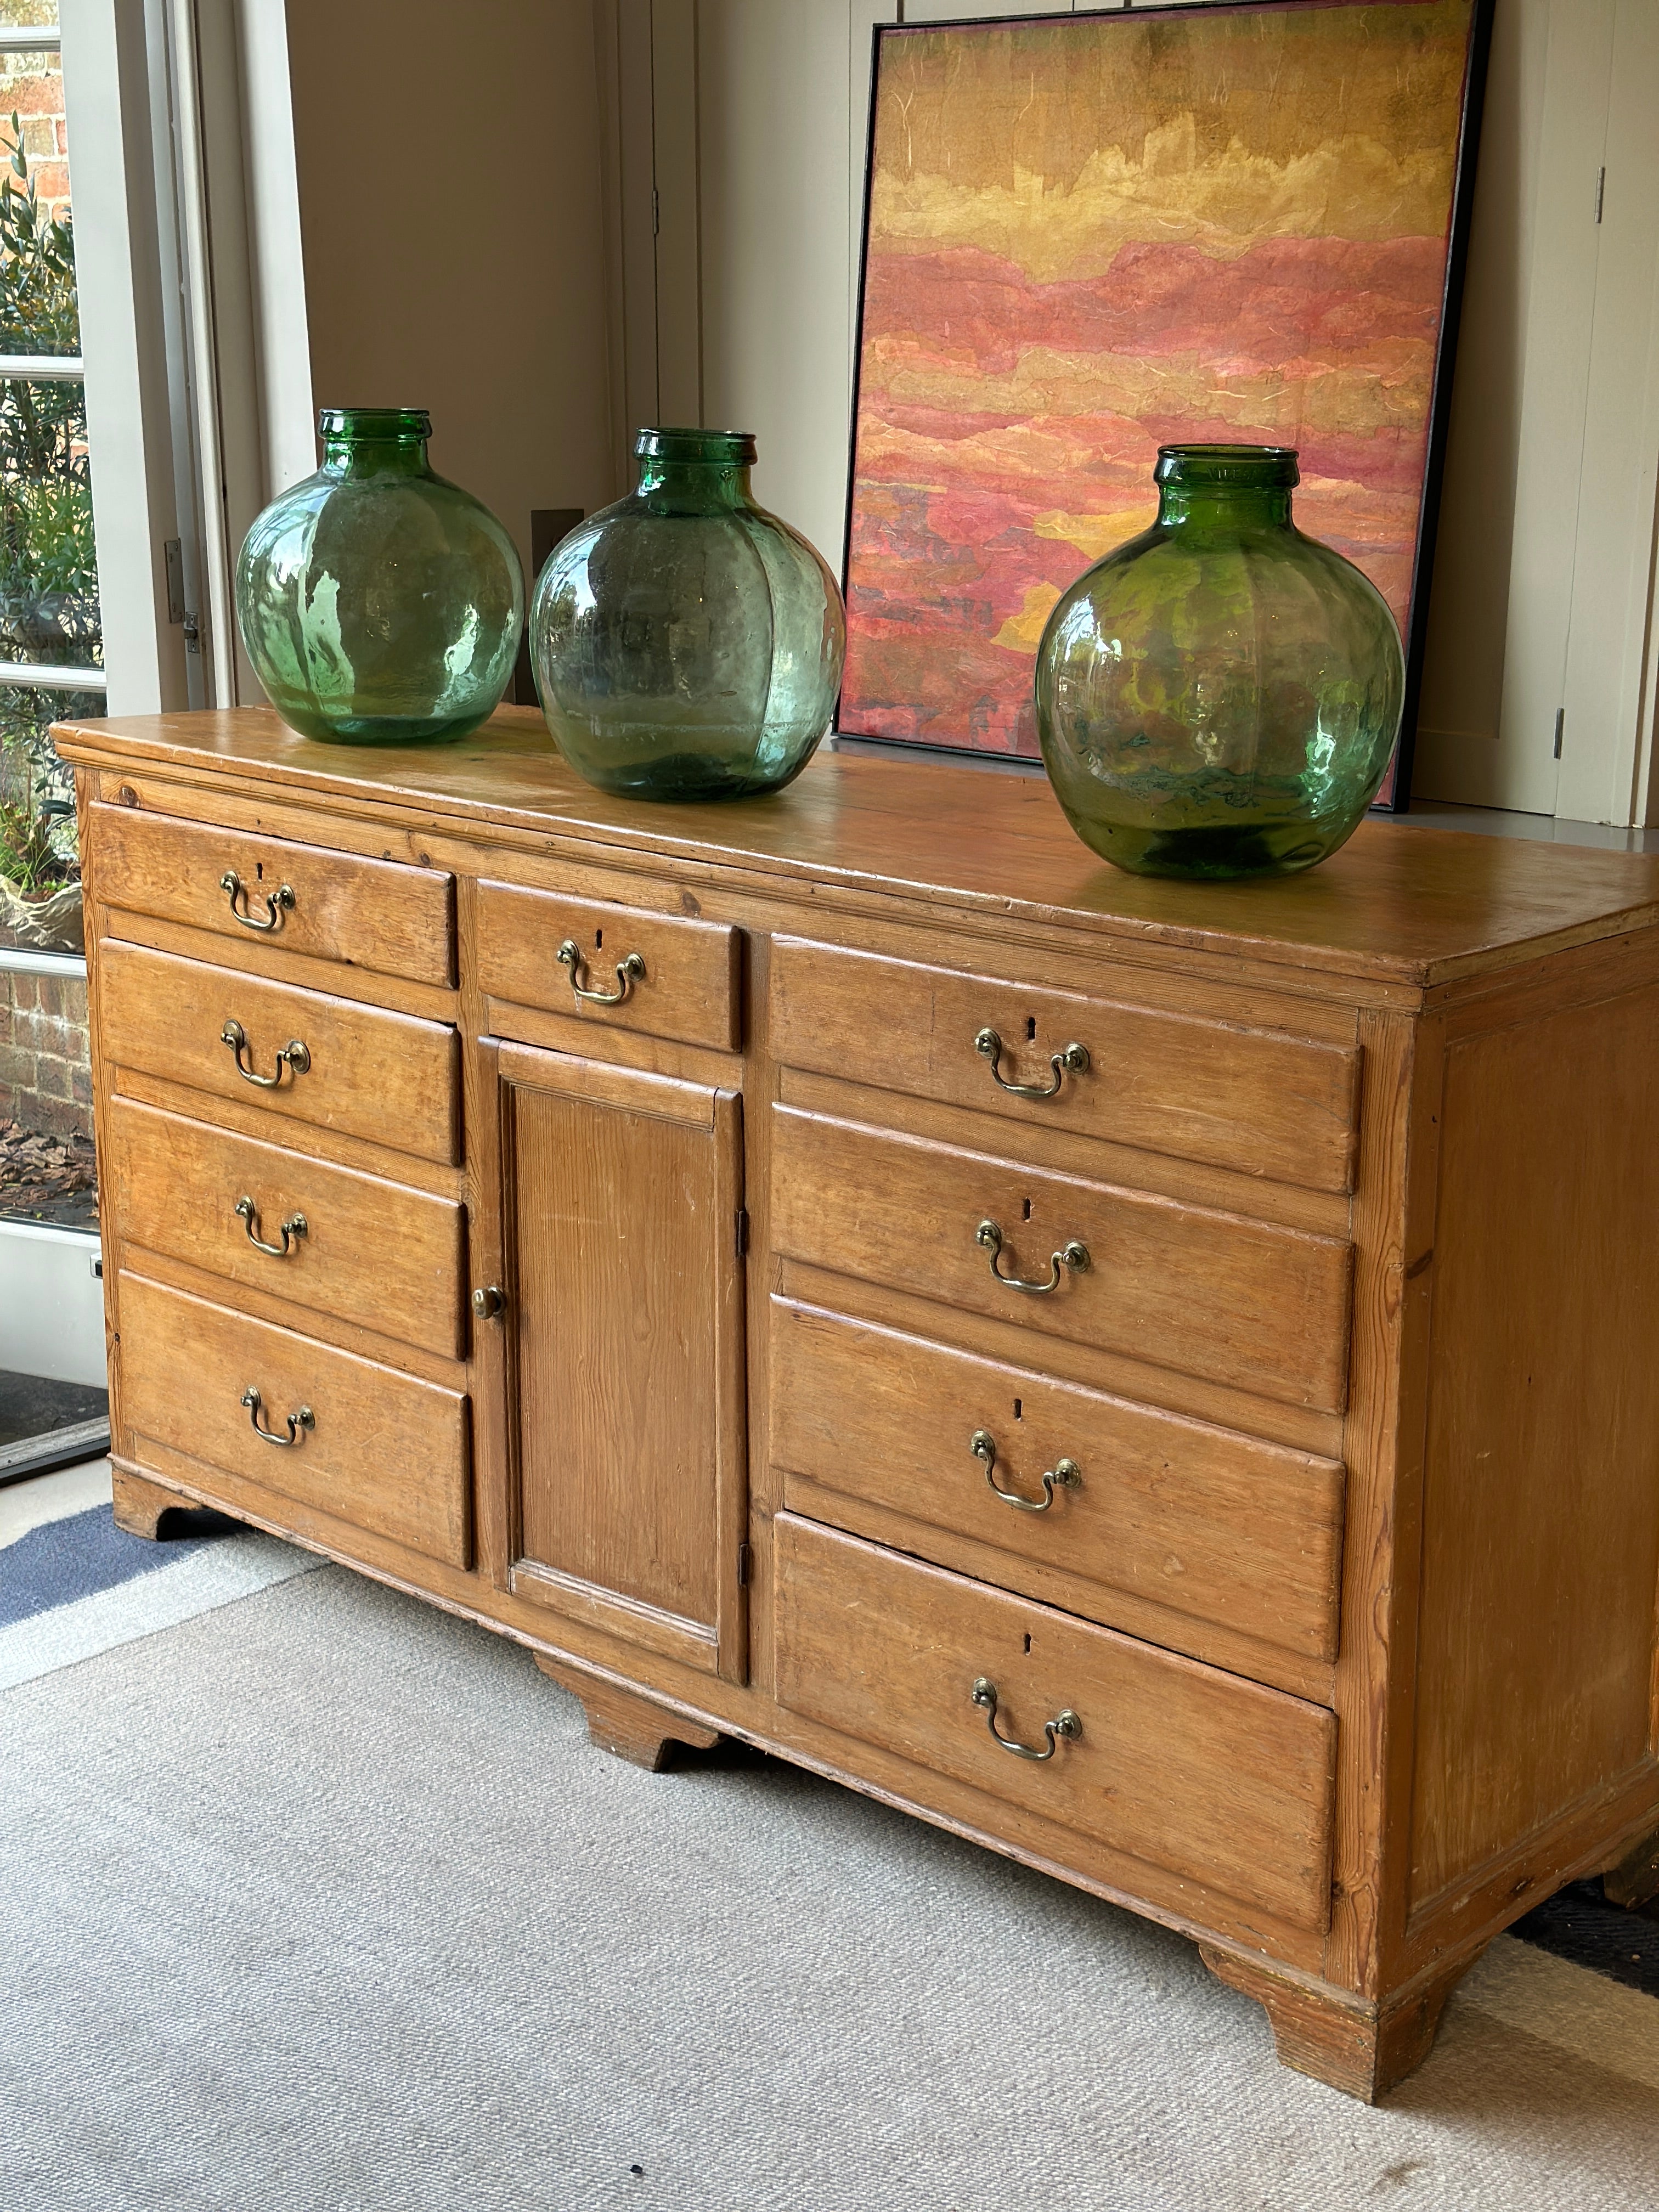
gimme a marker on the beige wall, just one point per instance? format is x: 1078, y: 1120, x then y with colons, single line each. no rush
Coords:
x: 1543, y: 584
x: 451, y: 211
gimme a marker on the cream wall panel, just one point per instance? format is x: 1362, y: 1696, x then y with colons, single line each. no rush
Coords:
x: 774, y: 81
x: 1544, y: 573
x: 1605, y: 729
x: 449, y: 168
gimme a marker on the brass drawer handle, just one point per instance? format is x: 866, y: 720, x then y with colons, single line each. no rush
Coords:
x: 1071, y: 1059
x: 294, y: 1053
x: 1072, y: 1255
x: 295, y: 1227
x: 277, y: 904
x: 629, y: 972
x: 305, y: 1419
x: 984, y: 1693
x: 1067, y: 1474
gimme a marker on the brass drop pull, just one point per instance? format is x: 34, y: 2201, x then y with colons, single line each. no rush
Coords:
x: 1070, y: 1060
x: 295, y: 1053
x: 291, y: 1229
x: 305, y: 1419
x: 629, y: 972
x: 277, y: 904
x: 1072, y: 1256
x: 1067, y: 1475
x: 984, y: 1695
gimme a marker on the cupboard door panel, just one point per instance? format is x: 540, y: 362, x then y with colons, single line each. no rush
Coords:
x: 620, y: 1198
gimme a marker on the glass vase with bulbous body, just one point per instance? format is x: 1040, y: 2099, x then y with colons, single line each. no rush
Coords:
x: 379, y: 603
x: 1220, y: 696
x: 687, y: 643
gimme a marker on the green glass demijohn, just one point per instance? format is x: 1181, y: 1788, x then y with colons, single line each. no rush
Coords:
x: 687, y: 644
x: 380, y: 605
x: 1220, y: 696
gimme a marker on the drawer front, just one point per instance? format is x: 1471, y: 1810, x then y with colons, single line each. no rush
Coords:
x: 1245, y: 1534
x: 340, y: 1243
x: 652, y: 972
x: 381, y: 1450
x: 383, y: 915
x: 1248, y: 1099
x: 1234, y: 1301
x: 1177, y: 1764
x: 367, y: 1072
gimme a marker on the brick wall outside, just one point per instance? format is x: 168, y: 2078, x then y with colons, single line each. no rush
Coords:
x: 37, y: 102
x: 45, y: 1073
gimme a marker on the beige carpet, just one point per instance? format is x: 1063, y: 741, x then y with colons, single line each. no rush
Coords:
x: 320, y: 1901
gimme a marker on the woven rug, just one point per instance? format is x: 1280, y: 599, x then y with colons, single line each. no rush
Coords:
x: 318, y: 1899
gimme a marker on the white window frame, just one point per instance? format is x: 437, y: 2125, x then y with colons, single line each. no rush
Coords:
x: 195, y: 353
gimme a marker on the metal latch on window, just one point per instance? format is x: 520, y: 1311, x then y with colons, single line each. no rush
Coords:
x: 177, y: 611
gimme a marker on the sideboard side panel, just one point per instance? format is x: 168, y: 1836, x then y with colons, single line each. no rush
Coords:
x: 1541, y: 1491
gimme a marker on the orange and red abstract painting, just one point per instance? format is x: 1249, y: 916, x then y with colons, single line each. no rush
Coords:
x: 1091, y: 235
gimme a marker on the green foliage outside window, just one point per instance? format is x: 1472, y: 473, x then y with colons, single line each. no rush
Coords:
x: 48, y: 575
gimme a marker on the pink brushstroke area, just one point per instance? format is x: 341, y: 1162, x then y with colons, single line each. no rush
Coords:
x: 1325, y: 344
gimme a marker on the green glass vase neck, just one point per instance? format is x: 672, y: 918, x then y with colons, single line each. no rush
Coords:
x: 374, y: 442
x: 694, y: 487
x: 1223, y: 507
x: 695, y: 471
x: 1223, y: 489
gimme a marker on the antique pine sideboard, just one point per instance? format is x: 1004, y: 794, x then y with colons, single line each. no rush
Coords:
x: 1157, y: 1378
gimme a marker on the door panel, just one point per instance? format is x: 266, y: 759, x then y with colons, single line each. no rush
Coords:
x: 625, y: 1459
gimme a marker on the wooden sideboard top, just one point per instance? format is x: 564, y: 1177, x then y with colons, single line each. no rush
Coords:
x: 1413, y: 906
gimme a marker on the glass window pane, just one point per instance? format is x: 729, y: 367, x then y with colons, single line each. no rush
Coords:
x: 49, y: 613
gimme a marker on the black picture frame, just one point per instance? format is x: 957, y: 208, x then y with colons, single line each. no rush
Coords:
x: 1397, y: 783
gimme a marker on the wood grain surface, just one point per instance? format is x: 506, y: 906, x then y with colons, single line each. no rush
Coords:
x: 1194, y: 1517
x: 387, y: 1077
x: 383, y: 915
x: 387, y: 1451
x: 373, y: 1252
x: 1266, y: 1105
x: 1213, y: 1294
x: 1178, y: 1763
x: 1422, y: 906
x: 692, y: 988
x: 1541, y: 1548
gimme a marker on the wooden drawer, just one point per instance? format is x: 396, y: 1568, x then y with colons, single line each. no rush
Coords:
x: 1175, y: 1764
x: 867, y: 1424
x: 1236, y: 1301
x: 383, y: 915
x: 372, y: 1074
x: 682, y: 978
x: 1253, y: 1100
x: 370, y: 1252
x: 382, y: 1450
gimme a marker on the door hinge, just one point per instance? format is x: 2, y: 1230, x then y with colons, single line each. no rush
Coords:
x: 1560, y: 724
x: 745, y: 1563
x: 743, y: 1230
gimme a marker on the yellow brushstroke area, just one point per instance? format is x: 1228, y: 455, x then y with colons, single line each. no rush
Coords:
x: 1351, y: 187
x: 1094, y: 534
x: 1022, y: 632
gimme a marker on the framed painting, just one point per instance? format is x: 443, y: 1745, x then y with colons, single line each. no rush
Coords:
x: 1089, y: 235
